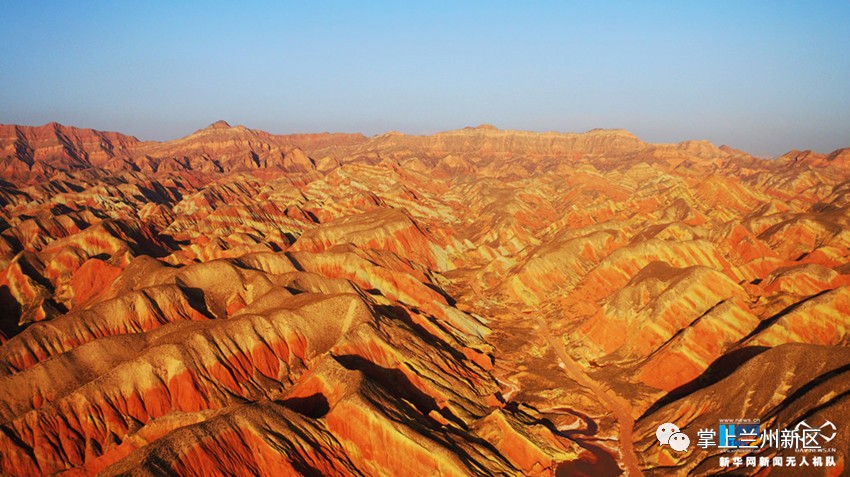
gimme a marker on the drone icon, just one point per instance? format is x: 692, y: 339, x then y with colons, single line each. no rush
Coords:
x: 818, y: 430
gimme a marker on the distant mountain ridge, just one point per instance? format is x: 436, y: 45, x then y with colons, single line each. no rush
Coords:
x: 31, y: 153
x: 34, y: 152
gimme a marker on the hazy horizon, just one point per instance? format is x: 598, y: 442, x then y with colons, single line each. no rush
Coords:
x: 762, y: 77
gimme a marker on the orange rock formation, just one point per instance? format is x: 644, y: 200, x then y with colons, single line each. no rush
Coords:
x: 478, y: 301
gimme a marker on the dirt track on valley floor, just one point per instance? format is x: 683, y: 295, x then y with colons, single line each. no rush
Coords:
x: 621, y: 408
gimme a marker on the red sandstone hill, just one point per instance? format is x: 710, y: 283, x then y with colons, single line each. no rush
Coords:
x: 34, y: 153
x: 477, y: 301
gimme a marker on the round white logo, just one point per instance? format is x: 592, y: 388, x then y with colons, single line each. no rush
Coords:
x: 665, y: 431
x: 679, y: 441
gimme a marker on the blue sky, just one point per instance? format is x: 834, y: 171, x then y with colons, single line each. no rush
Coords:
x: 765, y: 77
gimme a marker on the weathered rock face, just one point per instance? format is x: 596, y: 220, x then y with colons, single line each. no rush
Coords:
x: 38, y: 153
x: 473, y: 302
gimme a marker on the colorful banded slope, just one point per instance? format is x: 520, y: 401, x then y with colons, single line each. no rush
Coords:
x: 476, y: 302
